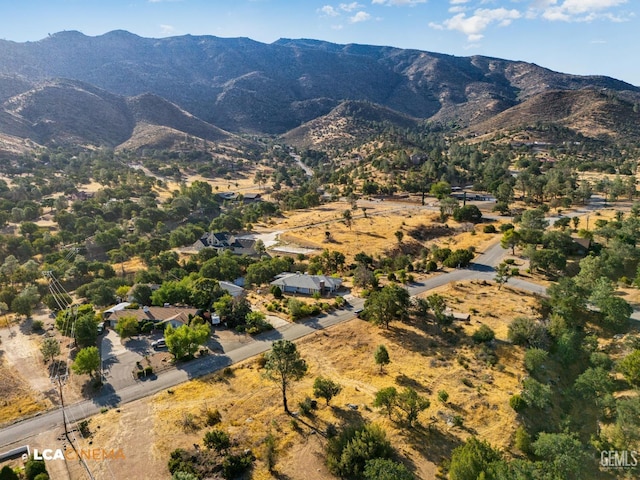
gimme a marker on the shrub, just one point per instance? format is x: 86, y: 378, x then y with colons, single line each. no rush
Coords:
x: 483, y: 334
x: 211, y: 416
x: 235, y: 465
x: 306, y: 405
x: 489, y: 229
x: 534, y: 358
x: 217, y: 440
x: 37, y: 326
x: 179, y: 461
x: 523, y: 440
x: 7, y: 473
x: 34, y: 468
x: 443, y: 396
x: 517, y: 403
x: 147, y: 327
x: 348, y: 453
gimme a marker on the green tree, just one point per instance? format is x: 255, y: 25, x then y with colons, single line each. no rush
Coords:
x: 185, y: 340
x: 283, y: 366
x: 127, y: 326
x: 440, y: 190
x: 563, y: 455
x: 438, y: 307
x: 534, y: 359
x: 503, y: 274
x: 510, y: 239
x: 389, y: 303
x: 7, y: 473
x: 468, y: 213
x: 386, y: 469
x: 87, y: 361
x: 381, y: 356
x: 86, y: 330
x: 627, y: 426
x: 50, y: 348
x: 325, y: 388
x: 386, y: 399
x: 411, y: 404
x: 33, y: 468
x: 348, y: 218
x: 349, y: 452
x: 532, y: 226
x: 594, y: 383
x: 474, y: 460
x: 26, y: 300
x: 536, y: 394
x: 629, y: 366
x: 526, y: 331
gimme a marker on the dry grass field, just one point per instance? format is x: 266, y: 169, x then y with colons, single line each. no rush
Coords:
x: 251, y: 409
x: 374, y: 234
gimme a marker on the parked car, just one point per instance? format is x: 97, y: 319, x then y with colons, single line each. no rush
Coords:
x: 358, y: 311
x: 158, y: 344
x: 100, y: 328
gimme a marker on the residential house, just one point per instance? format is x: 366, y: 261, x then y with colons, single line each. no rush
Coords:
x: 175, y: 316
x: 226, y: 241
x: 307, y: 284
x: 231, y: 289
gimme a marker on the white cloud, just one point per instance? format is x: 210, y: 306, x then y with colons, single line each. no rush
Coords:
x: 350, y: 7
x: 576, y: 10
x: 167, y: 29
x: 329, y: 11
x: 586, y: 6
x: 360, y: 17
x: 474, y: 25
x: 399, y: 3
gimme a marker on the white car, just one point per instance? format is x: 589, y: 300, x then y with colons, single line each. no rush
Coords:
x: 162, y: 343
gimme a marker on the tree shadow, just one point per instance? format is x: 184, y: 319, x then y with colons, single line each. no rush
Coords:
x: 408, y: 382
x: 432, y: 443
x: 107, y: 396
x: 348, y: 416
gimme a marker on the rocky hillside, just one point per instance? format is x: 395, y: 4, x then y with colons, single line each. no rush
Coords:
x: 121, y: 89
x: 55, y: 112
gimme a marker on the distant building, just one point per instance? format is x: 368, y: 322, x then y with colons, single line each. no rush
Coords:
x: 243, y: 197
x: 307, y: 284
x: 226, y: 241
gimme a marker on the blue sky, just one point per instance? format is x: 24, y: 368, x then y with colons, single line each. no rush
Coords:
x: 584, y: 37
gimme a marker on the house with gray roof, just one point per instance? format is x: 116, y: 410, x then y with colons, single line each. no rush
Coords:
x: 226, y: 241
x: 307, y: 284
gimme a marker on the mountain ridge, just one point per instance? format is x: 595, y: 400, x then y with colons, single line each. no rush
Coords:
x: 239, y: 85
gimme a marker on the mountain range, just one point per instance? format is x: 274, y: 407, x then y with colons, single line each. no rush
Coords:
x: 122, y: 90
